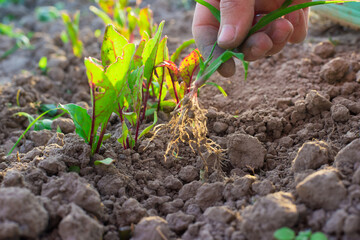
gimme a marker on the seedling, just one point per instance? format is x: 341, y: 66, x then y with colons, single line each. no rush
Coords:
x: 22, y: 40
x: 120, y: 84
x: 72, y: 31
x: 125, y: 18
x: 43, y: 64
x: 286, y: 233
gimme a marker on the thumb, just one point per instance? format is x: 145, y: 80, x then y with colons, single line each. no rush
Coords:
x: 236, y: 20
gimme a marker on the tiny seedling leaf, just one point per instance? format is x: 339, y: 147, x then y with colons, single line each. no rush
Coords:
x: 74, y: 169
x: 218, y: 87
x: 284, y: 233
x: 43, y: 64
x: 81, y: 119
x: 318, y: 236
x: 146, y: 130
x: 106, y: 161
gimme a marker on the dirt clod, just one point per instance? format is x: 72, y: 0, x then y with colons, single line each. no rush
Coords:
x: 340, y: 113
x: 65, y: 124
x: 334, y: 70
x: 209, y: 194
x: 312, y: 155
x: 245, y: 151
x: 271, y: 212
x: 152, y: 228
x: 179, y: 221
x: 78, y: 225
x: 21, y: 215
x: 316, y: 103
x: 348, y: 158
x: 324, y: 49
x: 322, y: 189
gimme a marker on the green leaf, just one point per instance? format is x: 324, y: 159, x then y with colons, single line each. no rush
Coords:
x: 101, y: 14
x: 146, y: 130
x: 283, y: 11
x: 46, y: 107
x: 284, y: 233
x: 179, y: 50
x: 124, y: 134
x: 188, y: 66
x: 112, y: 46
x: 81, y: 120
x: 318, y: 236
x: 74, y: 169
x: 131, y: 117
x: 150, y: 50
x: 218, y: 87
x: 26, y: 130
x: 215, y: 12
x: 43, y: 64
x: 106, y: 161
x: 72, y: 30
x: 224, y: 57
x: 145, y: 22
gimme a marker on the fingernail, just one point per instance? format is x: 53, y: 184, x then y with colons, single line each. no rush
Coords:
x: 227, y: 34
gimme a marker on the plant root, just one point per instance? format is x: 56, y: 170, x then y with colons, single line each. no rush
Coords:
x: 188, y: 125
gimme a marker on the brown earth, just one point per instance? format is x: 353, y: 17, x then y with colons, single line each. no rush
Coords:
x: 291, y: 134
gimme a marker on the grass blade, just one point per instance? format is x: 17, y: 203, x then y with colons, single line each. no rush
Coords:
x: 213, y: 10
x: 27, y: 129
x: 178, y: 51
x: 283, y: 11
x: 218, y: 87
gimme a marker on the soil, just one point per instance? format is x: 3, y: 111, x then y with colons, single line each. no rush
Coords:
x: 290, y: 134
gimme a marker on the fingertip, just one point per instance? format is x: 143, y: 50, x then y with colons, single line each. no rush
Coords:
x: 227, y: 69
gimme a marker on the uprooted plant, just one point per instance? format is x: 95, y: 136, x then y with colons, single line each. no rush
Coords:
x: 188, y: 123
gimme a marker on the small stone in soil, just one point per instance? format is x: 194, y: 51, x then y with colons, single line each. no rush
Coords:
x: 322, y: 189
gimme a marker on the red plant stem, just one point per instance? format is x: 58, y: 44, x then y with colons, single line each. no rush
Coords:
x: 101, y: 137
x: 190, y: 81
x: 146, y: 98
x: 131, y: 38
x: 174, y: 87
x: 91, y: 140
x: 161, y: 86
x: 138, y: 127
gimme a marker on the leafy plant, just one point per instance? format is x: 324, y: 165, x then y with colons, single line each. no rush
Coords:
x: 286, y: 233
x: 72, y: 31
x: 49, y: 13
x: 125, y: 18
x: 119, y: 84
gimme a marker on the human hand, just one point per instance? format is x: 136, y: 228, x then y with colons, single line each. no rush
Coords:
x: 237, y: 17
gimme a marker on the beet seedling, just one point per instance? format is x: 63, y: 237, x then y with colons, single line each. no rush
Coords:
x: 72, y: 31
x: 117, y: 86
x: 125, y: 18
